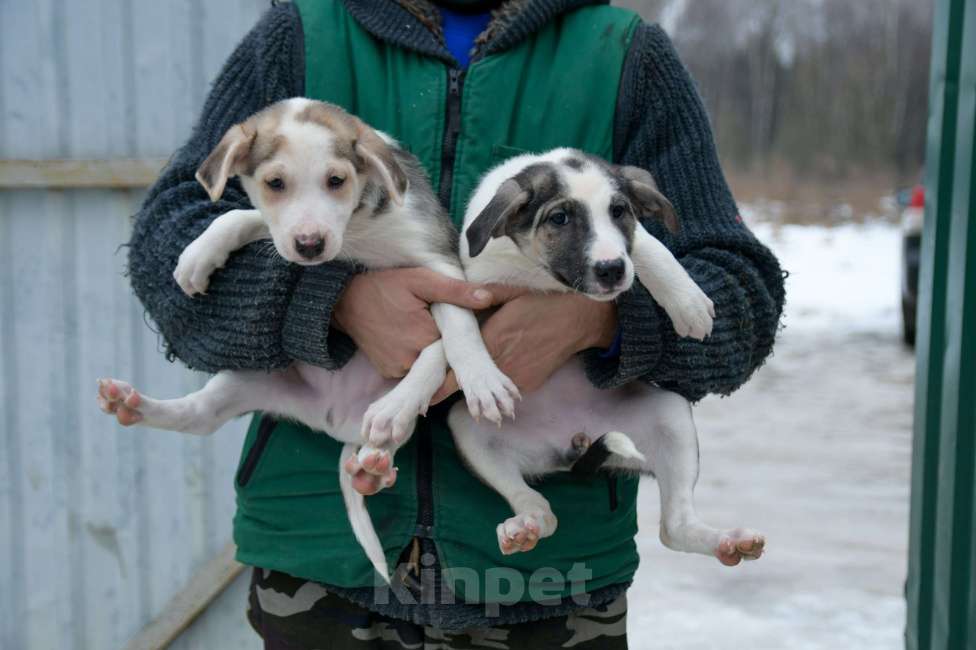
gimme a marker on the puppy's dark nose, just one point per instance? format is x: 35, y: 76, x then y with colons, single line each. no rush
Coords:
x: 309, y: 246
x: 609, y: 273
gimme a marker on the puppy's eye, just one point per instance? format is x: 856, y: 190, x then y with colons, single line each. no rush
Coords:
x: 617, y: 211
x: 275, y: 184
x: 558, y: 218
x: 335, y: 182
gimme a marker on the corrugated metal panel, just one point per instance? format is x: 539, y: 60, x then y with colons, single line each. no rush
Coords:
x: 941, y: 587
x: 99, y: 525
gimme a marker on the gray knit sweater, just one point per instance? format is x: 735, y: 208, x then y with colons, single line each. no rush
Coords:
x: 261, y: 312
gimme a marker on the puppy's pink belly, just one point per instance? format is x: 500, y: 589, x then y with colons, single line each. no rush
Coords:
x: 568, y: 404
x: 346, y: 393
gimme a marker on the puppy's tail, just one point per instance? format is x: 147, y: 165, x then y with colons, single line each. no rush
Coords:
x: 359, y: 520
x: 621, y: 445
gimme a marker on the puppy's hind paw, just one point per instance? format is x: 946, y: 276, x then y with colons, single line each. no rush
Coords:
x: 121, y: 400
x: 372, y: 470
x: 740, y: 544
x: 522, y: 532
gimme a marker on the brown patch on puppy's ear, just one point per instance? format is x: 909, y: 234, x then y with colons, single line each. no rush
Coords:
x: 225, y: 159
x: 491, y: 222
x: 639, y: 185
x: 378, y: 155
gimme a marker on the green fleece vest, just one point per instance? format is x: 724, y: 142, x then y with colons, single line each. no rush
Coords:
x: 558, y: 88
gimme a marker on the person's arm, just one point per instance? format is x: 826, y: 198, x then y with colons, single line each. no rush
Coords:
x: 260, y: 312
x: 662, y: 127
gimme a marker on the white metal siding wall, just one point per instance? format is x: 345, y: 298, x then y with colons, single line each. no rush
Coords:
x: 99, y: 525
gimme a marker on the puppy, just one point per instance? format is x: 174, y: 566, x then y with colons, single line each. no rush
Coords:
x: 567, y: 221
x: 326, y: 186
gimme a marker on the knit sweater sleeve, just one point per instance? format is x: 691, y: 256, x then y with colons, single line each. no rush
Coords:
x: 260, y: 312
x: 661, y: 126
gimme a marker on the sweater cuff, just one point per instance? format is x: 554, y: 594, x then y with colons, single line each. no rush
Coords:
x: 307, y: 334
x: 640, y: 342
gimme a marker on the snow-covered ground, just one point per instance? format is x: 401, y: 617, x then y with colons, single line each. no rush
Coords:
x: 814, y: 451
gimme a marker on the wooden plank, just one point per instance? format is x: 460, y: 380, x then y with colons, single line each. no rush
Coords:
x: 88, y: 174
x: 205, y: 585
x: 224, y: 624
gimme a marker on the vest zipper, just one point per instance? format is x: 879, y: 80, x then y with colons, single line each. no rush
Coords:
x: 452, y: 132
x: 425, y: 484
x: 425, y: 447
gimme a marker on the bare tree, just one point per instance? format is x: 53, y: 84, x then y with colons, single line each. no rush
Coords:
x: 825, y: 86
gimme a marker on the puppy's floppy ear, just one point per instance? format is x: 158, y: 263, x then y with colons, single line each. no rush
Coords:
x: 508, y: 199
x: 640, y: 186
x: 224, y: 161
x: 379, y: 157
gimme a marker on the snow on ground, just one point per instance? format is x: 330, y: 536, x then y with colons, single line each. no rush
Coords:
x: 814, y: 451
x: 841, y: 278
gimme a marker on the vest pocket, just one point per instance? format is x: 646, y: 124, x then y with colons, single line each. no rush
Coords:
x: 265, y: 428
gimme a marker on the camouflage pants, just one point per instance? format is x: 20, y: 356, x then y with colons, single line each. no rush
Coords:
x: 294, y: 614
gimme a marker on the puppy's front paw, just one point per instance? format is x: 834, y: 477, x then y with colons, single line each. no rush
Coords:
x: 692, y: 313
x: 392, y: 417
x: 487, y: 391
x: 523, y: 531
x: 197, y: 263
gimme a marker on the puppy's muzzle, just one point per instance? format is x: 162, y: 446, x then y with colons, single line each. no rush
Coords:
x: 309, y: 246
x: 609, y: 273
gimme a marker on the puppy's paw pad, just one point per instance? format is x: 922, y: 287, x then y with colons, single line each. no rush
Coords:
x: 372, y: 470
x: 378, y: 462
x: 739, y: 544
x: 120, y: 399
x: 369, y: 484
x: 522, y: 532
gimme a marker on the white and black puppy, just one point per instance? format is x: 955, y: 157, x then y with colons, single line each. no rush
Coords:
x: 567, y: 221
x: 327, y: 186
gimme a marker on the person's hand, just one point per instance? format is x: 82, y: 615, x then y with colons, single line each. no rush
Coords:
x: 534, y: 334
x: 386, y: 313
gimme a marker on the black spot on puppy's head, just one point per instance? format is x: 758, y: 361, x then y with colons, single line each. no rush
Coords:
x: 560, y: 240
x: 513, y: 208
x: 534, y: 209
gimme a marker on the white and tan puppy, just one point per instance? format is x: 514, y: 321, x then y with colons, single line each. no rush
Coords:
x: 565, y: 221
x: 326, y: 186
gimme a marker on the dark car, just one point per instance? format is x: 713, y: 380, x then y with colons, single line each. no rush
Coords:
x: 912, y: 215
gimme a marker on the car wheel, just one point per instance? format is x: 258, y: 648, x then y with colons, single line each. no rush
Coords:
x: 908, y: 323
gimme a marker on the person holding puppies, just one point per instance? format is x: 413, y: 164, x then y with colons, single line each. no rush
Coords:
x: 463, y: 85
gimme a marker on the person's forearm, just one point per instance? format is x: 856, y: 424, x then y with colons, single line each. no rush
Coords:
x: 601, y: 327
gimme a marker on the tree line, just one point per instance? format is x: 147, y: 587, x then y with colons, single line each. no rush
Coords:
x: 828, y: 88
